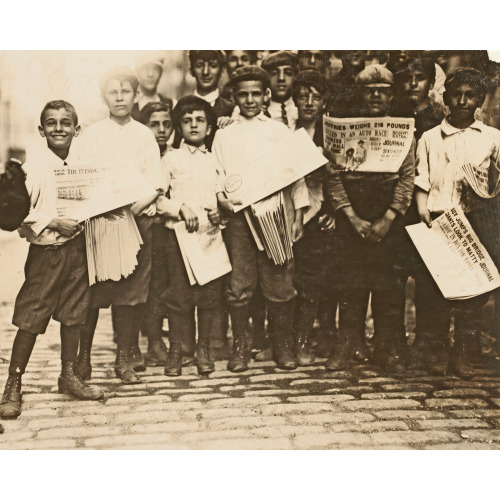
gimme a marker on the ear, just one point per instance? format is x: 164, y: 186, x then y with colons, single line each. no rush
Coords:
x: 431, y: 86
x: 445, y: 98
x: 136, y: 97
x: 77, y: 130
x: 268, y: 94
x: 41, y: 131
x: 209, y: 130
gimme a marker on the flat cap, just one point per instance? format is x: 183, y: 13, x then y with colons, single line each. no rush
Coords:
x: 375, y: 75
x: 280, y: 58
x: 249, y: 73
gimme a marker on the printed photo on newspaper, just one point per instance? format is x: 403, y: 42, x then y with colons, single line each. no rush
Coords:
x: 368, y: 144
x: 455, y: 256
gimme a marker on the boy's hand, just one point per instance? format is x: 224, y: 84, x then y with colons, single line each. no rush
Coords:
x: 226, y: 204
x: 381, y: 227
x: 65, y: 227
x: 213, y: 215
x: 297, y: 230
x: 425, y: 217
x: 190, y: 218
x: 224, y: 121
x: 326, y: 222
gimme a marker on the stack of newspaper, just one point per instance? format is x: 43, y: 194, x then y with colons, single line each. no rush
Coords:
x: 478, y: 179
x: 269, y: 225
x: 112, y: 241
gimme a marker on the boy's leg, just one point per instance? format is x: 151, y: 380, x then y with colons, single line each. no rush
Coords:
x: 87, y: 331
x: 180, y: 325
x: 10, y: 405
x: 257, y: 311
x: 203, y: 359
x: 70, y: 381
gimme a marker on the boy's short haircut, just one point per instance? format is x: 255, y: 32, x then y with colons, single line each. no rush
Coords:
x: 207, y: 55
x: 153, y: 107
x: 190, y: 103
x: 310, y: 78
x: 423, y: 64
x: 467, y: 76
x: 280, y: 58
x: 249, y: 74
x: 59, y: 104
x: 122, y: 74
x: 252, y: 54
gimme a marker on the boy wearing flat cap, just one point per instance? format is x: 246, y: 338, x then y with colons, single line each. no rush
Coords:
x: 235, y: 146
x: 281, y: 67
x: 369, y: 208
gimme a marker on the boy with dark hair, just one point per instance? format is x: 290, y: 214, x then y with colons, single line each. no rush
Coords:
x: 441, y: 185
x: 190, y: 174
x: 116, y: 138
x: 282, y: 66
x: 14, y: 199
x: 234, y: 146
x: 314, y: 272
x: 369, y: 230
x: 237, y: 58
x: 157, y: 116
x: 56, y: 283
x: 316, y: 60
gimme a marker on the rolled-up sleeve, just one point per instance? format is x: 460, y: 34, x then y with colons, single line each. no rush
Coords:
x: 300, y: 194
x: 422, y: 180
x: 335, y: 192
x: 404, y: 188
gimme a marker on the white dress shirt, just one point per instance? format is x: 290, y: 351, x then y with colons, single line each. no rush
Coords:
x: 292, y: 114
x: 210, y: 97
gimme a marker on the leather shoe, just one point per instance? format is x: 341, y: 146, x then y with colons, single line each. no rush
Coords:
x: 137, y: 359
x: 10, y: 405
x: 240, y: 357
x: 173, y: 368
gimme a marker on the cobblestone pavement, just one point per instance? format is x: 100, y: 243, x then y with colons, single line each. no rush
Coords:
x: 264, y: 408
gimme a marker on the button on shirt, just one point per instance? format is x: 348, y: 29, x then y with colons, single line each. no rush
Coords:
x: 440, y: 154
x: 41, y: 186
x: 292, y: 113
x: 190, y: 178
x: 108, y: 142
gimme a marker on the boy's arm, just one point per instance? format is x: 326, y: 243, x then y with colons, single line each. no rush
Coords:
x: 300, y: 200
x: 421, y: 199
x: 164, y: 205
x: 422, y: 181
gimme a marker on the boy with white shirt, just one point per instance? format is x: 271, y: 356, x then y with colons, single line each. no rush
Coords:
x: 121, y: 138
x: 440, y: 185
x: 234, y: 146
x: 56, y: 283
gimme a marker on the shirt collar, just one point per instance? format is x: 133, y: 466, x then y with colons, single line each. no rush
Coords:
x: 448, y: 129
x: 261, y: 117
x: 112, y: 123
x: 192, y: 149
x: 210, y: 98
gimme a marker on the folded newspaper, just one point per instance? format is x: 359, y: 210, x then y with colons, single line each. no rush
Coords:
x: 478, y: 179
x: 203, y: 252
x: 454, y: 256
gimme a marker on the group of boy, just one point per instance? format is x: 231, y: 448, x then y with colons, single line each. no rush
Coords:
x: 350, y: 248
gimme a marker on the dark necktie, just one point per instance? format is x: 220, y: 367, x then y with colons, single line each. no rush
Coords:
x: 283, y: 114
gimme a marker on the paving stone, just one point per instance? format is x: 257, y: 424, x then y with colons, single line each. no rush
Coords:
x: 489, y: 436
x: 441, y: 404
x: 282, y: 409
x: 185, y: 405
x: 246, y: 387
x: 51, y: 423
x: 131, y: 393
x: 356, y: 389
x: 248, y: 401
x: 496, y: 401
x: 219, y: 413
x: 460, y: 393
x: 167, y: 427
x: 321, y: 398
x: 466, y: 423
x: 14, y: 436
x: 130, y: 439
x: 470, y: 383
x: 227, y: 374
x: 408, y: 387
x: 408, y: 414
x: 271, y: 377
x: 476, y: 413
x: 245, y: 444
x: 190, y: 390
x: 290, y: 431
x: 78, y: 432
x: 243, y: 422
x: 195, y: 437
x: 394, y: 395
x: 44, y: 444
x: 42, y: 412
x: 142, y: 400
x: 212, y: 382
x: 94, y: 410
x: 145, y: 416
x: 462, y: 446
x: 30, y: 398
x: 331, y: 418
x: 377, y: 380
x: 381, y: 404
x: 368, y: 427
x: 414, y: 437
x: 201, y: 397
x: 328, y: 439
x: 274, y: 392
x: 324, y: 382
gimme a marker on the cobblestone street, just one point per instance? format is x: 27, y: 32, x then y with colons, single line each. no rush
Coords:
x: 264, y: 408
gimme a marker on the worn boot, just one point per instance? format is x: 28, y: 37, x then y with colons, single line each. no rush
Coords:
x: 241, y: 353
x: 459, y: 360
x: 157, y: 353
x: 281, y: 327
x: 303, y: 351
x: 173, y: 367
x: 203, y: 360
x: 83, y: 361
x: 10, y: 405
x: 340, y: 355
x: 70, y: 383
x: 124, y: 368
x: 137, y: 359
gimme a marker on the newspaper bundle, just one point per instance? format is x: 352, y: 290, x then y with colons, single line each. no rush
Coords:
x: 478, y: 179
x: 454, y: 256
x: 83, y: 193
x: 203, y: 252
x: 274, y: 168
x: 368, y: 144
x: 269, y: 225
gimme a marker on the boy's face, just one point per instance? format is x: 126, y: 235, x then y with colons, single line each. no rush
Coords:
x: 237, y: 59
x: 207, y: 74
x: 194, y: 128
x: 376, y: 100
x: 463, y: 101
x: 119, y: 97
x: 310, y: 103
x: 58, y: 128
x: 249, y: 96
x: 160, y: 122
x: 149, y: 75
x: 281, y: 79
x: 311, y: 59
x: 415, y: 85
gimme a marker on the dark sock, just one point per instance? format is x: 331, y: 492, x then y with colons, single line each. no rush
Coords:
x: 126, y: 324
x: 181, y: 326
x: 70, y: 338
x: 205, y: 317
x: 239, y: 320
x: 21, y: 351
x: 152, y: 327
